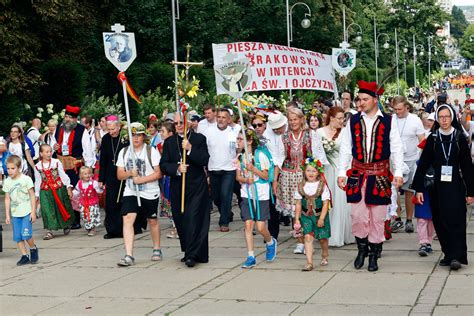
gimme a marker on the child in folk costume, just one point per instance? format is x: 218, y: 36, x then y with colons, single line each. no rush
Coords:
x: 255, y: 192
x: 312, y: 203
x: 87, y: 191
x: 53, y: 189
x: 166, y: 130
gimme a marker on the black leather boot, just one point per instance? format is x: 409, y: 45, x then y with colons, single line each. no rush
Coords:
x: 374, y: 250
x: 380, y: 251
x: 363, y: 246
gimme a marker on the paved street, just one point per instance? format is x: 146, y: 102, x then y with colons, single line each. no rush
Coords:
x: 78, y: 275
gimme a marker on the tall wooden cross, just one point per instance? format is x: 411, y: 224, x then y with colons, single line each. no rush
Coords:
x: 187, y: 64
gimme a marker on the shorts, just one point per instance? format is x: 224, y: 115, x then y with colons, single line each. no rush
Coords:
x: 149, y: 208
x: 310, y: 226
x: 246, y: 215
x: 407, y: 185
x: 22, y: 228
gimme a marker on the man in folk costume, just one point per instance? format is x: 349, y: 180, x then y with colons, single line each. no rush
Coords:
x: 73, y: 149
x: 371, y: 140
x: 192, y: 224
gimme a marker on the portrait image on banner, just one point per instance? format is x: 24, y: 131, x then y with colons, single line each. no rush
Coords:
x: 120, y: 49
x: 272, y: 67
x: 233, y: 77
x: 343, y: 60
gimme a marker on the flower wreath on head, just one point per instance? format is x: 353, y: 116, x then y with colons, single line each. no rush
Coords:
x: 315, y: 163
x: 314, y: 112
x: 250, y: 133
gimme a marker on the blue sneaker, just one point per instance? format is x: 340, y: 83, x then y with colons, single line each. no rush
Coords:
x: 428, y: 248
x: 272, y: 250
x: 34, y: 257
x: 249, y: 263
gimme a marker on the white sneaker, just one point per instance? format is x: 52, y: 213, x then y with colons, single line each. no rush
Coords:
x: 299, y: 249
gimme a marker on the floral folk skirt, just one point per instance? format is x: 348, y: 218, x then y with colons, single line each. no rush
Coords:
x: 287, y: 184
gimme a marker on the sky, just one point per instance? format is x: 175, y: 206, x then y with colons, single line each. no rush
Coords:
x: 463, y: 2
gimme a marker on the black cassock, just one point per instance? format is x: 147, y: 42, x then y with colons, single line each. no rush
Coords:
x: 448, y: 199
x: 193, y: 224
x: 109, y: 150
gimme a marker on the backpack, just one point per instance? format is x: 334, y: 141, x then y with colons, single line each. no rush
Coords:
x: 30, y: 146
x: 264, y: 150
x: 148, y: 154
x: 5, y: 155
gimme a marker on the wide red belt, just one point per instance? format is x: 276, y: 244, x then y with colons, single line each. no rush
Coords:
x: 380, y: 168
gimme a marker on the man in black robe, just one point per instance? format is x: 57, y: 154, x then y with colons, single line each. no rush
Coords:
x: 193, y: 223
x: 110, y: 147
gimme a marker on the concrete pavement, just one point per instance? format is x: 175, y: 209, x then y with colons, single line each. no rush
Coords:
x: 78, y: 275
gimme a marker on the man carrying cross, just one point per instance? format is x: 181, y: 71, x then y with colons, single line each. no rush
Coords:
x: 193, y: 222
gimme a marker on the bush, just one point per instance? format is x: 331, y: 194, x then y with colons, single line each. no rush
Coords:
x: 11, y: 111
x: 153, y: 102
x: 65, y: 83
x: 98, y: 106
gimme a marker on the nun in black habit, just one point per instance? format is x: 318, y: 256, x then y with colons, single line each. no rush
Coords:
x: 447, y: 151
x: 193, y: 224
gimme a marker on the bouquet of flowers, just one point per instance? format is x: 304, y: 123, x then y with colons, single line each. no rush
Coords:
x: 330, y: 148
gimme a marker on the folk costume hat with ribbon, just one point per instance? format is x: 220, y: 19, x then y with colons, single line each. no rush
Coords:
x: 72, y: 110
x: 370, y: 88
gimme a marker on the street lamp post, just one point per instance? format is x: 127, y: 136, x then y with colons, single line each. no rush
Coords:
x: 386, y: 45
x: 430, y: 45
x: 345, y: 41
x: 305, y: 23
x: 175, y: 13
x: 414, y: 58
x: 397, y: 57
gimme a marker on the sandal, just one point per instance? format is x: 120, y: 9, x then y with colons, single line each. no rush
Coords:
x: 307, y: 267
x: 324, y: 261
x: 126, y: 261
x: 66, y: 231
x: 48, y: 236
x: 157, y: 255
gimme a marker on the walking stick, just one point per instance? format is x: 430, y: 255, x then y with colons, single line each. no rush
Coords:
x: 183, y: 160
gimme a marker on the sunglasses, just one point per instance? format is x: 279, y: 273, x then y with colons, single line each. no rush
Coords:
x: 257, y: 125
x: 178, y: 123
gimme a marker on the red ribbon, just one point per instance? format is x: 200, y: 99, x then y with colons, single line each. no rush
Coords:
x: 122, y: 78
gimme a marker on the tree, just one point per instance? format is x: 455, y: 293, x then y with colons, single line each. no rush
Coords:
x: 458, y: 22
x: 467, y: 43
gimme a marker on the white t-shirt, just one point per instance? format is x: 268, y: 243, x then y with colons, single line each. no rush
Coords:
x: 222, y: 147
x: 16, y: 149
x: 33, y: 134
x: 409, y: 128
x: 150, y: 190
x: 263, y: 189
x: 204, y: 125
x: 310, y: 189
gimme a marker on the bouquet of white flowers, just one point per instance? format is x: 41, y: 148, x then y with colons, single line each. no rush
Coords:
x: 330, y: 148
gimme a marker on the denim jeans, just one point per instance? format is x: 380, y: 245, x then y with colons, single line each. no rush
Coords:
x: 222, y: 185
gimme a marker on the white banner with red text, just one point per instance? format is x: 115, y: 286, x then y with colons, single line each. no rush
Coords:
x: 277, y: 67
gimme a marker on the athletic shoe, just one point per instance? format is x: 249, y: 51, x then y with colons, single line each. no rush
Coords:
x: 34, y: 255
x: 299, y: 249
x: 396, y: 226
x: 23, y: 260
x: 249, y: 263
x: 428, y: 248
x: 126, y: 261
x: 409, y: 228
x: 272, y: 250
x: 423, y: 251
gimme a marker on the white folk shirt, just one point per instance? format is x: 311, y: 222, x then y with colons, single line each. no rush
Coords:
x: 396, y: 147
x: 310, y: 188
x: 54, y: 163
x: 88, y: 152
x: 409, y: 128
x: 222, y: 147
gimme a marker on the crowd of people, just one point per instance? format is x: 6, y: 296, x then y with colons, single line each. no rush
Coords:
x: 336, y: 171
